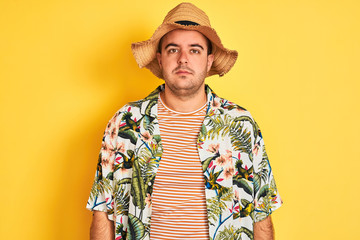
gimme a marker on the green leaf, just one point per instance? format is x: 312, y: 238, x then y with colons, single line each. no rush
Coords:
x: 253, y: 124
x: 257, y: 182
x: 99, y: 187
x: 217, y: 204
x: 150, y: 105
x: 203, y: 130
x: 124, y: 181
x: 157, y: 138
x: 244, y: 202
x: 127, y: 161
x: 130, y: 153
x: 136, y: 228
x: 120, y: 230
x: 207, y: 161
x: 231, y: 233
x: 242, y: 183
x: 248, y: 232
x: 122, y: 198
x: 147, y: 123
x: 138, y: 187
x: 263, y: 191
x: 110, y: 175
x: 127, y: 134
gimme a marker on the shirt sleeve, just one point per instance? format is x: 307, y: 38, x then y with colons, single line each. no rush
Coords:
x: 266, y: 196
x: 102, y: 192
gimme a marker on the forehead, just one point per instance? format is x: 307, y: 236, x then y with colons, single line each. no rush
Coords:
x: 180, y: 36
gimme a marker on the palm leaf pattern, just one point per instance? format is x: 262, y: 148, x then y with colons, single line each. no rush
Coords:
x: 239, y: 185
x: 217, y: 205
x: 221, y: 126
x: 136, y: 228
x: 231, y: 233
x: 99, y: 188
x: 122, y: 199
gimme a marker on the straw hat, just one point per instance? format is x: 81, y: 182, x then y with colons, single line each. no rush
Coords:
x: 188, y: 17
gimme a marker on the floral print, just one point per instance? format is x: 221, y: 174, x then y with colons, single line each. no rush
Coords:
x: 238, y: 180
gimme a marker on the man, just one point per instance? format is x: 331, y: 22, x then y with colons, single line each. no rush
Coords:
x: 183, y: 163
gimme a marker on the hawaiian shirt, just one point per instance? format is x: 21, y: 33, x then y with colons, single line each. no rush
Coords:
x: 238, y: 180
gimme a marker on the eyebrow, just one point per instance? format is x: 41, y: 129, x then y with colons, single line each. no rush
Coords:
x: 191, y: 45
x: 171, y: 45
x: 197, y: 45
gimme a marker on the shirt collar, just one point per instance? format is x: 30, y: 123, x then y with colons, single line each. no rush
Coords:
x: 150, y: 108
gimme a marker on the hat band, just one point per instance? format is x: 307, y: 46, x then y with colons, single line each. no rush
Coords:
x: 187, y: 23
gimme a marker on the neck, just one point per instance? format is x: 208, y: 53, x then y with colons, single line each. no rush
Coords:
x: 184, y: 103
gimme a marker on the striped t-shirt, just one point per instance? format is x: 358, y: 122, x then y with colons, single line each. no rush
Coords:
x: 178, y: 199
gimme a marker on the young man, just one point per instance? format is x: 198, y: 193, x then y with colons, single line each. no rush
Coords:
x: 183, y: 163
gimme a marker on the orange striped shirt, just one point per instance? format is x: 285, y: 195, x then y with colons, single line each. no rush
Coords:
x: 178, y: 199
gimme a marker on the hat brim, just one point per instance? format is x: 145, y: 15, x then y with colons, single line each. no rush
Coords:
x: 145, y: 51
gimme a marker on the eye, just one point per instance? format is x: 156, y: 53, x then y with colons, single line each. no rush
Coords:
x: 172, y: 50
x: 195, y: 51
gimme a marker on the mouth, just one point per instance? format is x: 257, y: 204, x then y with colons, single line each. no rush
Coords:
x: 183, y: 71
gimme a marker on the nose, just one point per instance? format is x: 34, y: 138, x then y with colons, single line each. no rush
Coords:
x: 183, y: 58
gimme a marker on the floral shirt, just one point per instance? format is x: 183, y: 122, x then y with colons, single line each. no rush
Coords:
x: 238, y: 180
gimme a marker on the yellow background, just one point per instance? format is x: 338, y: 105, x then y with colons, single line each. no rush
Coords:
x: 66, y: 67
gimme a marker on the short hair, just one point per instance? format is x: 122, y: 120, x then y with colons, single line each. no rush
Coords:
x: 208, y: 44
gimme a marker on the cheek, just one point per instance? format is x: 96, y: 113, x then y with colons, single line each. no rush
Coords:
x: 168, y: 63
x: 204, y: 63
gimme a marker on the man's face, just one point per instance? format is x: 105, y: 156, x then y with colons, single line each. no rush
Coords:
x: 184, y: 61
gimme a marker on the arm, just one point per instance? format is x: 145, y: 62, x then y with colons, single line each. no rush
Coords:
x: 264, y: 229
x: 101, y: 227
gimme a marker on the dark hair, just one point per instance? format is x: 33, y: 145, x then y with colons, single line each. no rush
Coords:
x: 208, y: 44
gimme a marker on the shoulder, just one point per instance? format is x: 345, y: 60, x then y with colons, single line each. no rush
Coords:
x: 131, y: 109
x: 222, y: 106
x: 234, y: 115
x: 227, y: 107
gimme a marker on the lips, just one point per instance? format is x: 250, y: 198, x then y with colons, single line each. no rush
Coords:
x: 183, y: 70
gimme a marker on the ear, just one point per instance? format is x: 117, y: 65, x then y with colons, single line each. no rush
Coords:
x: 158, y: 56
x: 210, y: 60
